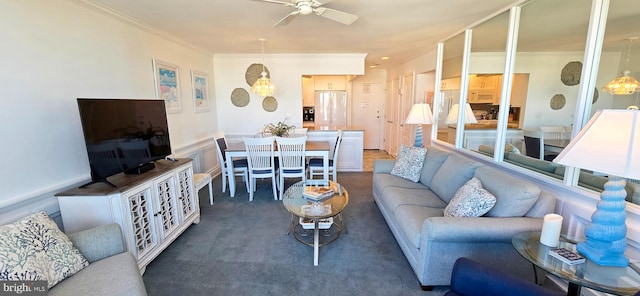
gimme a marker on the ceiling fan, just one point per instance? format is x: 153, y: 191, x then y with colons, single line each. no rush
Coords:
x: 306, y: 7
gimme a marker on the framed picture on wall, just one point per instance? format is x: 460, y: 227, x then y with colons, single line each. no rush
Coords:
x: 200, y: 87
x: 167, y: 84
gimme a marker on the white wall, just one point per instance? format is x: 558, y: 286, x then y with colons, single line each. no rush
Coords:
x: 56, y: 51
x: 286, y: 72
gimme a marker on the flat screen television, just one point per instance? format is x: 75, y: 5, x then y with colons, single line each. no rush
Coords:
x: 123, y: 135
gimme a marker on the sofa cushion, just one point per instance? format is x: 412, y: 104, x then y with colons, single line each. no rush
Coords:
x: 34, y: 248
x: 410, y: 219
x: 432, y: 162
x: 471, y: 200
x: 514, y: 197
x: 454, y: 172
x: 394, y: 197
x: 383, y: 181
x: 409, y: 164
x: 531, y: 162
x: 115, y: 275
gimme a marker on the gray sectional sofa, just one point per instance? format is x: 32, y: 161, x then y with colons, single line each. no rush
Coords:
x: 414, y: 211
x: 112, y: 269
x: 552, y: 169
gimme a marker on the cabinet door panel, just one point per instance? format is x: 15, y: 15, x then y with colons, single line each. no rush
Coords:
x: 166, y: 211
x: 186, y: 196
x: 140, y: 207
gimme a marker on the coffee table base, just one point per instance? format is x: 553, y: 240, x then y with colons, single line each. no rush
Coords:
x: 316, y: 237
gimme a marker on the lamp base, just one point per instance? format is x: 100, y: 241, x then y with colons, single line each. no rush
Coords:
x: 607, y: 233
x: 418, y: 140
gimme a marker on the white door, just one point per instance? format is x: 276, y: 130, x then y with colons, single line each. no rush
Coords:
x: 368, y: 99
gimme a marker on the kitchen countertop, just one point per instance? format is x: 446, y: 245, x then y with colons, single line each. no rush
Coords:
x: 328, y: 128
x: 471, y: 126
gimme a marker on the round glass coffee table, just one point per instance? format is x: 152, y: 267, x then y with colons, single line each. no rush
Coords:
x: 321, y: 218
x: 608, y: 279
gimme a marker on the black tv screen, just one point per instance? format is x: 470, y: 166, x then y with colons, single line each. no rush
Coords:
x: 123, y: 134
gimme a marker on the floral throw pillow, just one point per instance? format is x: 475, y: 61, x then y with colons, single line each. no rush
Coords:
x: 34, y: 248
x: 409, y: 163
x: 471, y: 200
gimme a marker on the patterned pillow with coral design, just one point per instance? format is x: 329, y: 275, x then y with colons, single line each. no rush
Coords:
x: 34, y: 248
x: 471, y: 200
x: 409, y: 163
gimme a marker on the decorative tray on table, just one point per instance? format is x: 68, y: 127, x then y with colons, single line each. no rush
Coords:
x: 317, y: 193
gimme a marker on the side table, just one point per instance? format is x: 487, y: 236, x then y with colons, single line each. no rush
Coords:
x: 331, y: 207
x: 608, y: 279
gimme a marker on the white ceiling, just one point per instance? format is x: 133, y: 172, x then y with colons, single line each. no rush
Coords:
x: 399, y: 29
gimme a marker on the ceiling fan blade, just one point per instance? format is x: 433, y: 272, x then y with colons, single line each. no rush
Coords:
x: 287, y: 19
x: 336, y: 15
x: 277, y: 2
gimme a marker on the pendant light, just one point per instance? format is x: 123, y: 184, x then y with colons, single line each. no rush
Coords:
x: 624, y: 85
x: 263, y: 85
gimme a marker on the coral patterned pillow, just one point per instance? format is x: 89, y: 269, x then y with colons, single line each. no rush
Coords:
x: 471, y: 200
x: 34, y: 249
x: 409, y: 163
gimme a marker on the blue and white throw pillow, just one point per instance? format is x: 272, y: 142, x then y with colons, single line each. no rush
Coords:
x: 471, y: 200
x: 34, y: 249
x: 409, y: 163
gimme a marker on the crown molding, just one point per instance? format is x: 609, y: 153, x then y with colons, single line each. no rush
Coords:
x: 110, y: 12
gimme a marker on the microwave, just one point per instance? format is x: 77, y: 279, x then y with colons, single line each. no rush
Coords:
x: 481, y: 96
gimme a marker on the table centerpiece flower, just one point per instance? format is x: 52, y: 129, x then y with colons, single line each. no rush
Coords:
x: 280, y: 129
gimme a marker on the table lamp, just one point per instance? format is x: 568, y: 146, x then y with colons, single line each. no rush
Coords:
x: 608, y: 144
x: 420, y: 114
x: 452, y: 118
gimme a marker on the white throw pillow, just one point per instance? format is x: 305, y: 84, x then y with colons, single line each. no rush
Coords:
x: 34, y: 249
x: 409, y: 163
x: 471, y: 200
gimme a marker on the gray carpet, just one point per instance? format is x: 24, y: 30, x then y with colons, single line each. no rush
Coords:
x: 241, y: 248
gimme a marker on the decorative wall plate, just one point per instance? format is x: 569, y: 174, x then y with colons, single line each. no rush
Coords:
x: 571, y: 73
x: 557, y: 102
x: 270, y: 104
x: 240, y: 97
x: 254, y: 72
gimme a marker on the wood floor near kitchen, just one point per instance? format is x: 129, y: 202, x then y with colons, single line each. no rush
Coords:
x: 370, y: 155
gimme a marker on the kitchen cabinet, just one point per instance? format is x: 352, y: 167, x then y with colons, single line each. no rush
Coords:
x: 484, y: 81
x: 152, y: 208
x: 308, y: 91
x: 350, y: 156
x: 325, y: 82
x: 519, y: 89
x: 450, y: 84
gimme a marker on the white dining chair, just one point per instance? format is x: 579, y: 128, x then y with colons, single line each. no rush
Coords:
x: 553, y: 132
x: 202, y: 180
x: 316, y: 165
x: 291, y: 159
x: 260, y: 158
x: 239, y: 165
x: 299, y: 132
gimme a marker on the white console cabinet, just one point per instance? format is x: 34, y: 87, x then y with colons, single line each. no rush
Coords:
x: 152, y: 208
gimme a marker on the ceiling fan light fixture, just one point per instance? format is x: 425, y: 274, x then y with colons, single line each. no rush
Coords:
x: 263, y: 85
x: 305, y: 8
x: 625, y: 84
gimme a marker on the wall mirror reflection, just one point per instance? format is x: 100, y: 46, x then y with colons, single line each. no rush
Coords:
x: 449, y: 86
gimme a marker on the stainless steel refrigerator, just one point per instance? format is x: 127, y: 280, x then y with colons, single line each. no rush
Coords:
x: 331, y: 109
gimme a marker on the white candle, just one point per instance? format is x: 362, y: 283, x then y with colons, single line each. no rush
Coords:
x: 551, y: 226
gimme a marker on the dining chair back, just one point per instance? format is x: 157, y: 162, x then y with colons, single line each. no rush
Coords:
x: 291, y: 159
x: 239, y: 165
x: 260, y: 158
x: 534, y: 145
x: 299, y: 132
x: 316, y: 164
x: 554, y: 132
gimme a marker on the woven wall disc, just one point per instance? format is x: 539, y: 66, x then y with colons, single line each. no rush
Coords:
x: 557, y: 102
x: 595, y: 96
x: 571, y: 72
x: 270, y: 104
x: 254, y: 72
x: 240, y: 97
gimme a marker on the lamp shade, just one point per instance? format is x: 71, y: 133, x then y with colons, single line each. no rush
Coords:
x: 452, y: 118
x: 420, y: 114
x: 609, y: 143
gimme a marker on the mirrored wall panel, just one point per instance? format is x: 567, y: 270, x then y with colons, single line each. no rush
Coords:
x: 450, y: 87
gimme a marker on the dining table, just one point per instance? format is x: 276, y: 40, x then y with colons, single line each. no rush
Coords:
x: 238, y: 150
x: 555, y: 145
